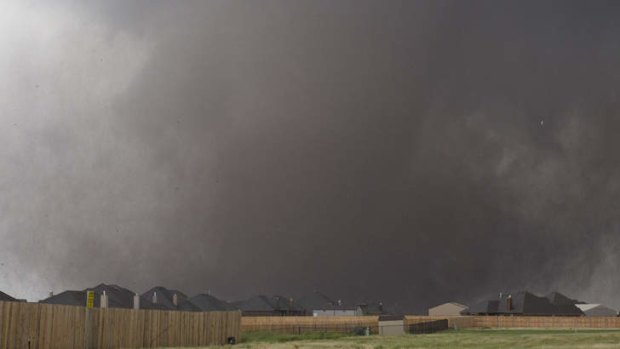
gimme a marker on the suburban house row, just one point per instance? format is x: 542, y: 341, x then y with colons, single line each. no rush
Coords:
x: 161, y: 298
x: 524, y: 303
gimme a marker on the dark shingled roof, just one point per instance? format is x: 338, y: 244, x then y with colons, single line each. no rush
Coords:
x: 484, y: 307
x: 6, y: 298
x: 316, y: 301
x: 69, y: 298
x: 118, y: 297
x: 559, y: 299
x: 205, y: 302
x: 373, y: 309
x: 284, y: 303
x: 263, y: 303
x: 165, y: 296
x: 319, y: 301
x: 525, y: 303
x: 186, y: 305
x: 256, y: 303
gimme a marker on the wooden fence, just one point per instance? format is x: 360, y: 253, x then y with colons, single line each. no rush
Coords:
x: 349, y: 324
x: 546, y: 322
x: 302, y: 324
x: 521, y: 321
x: 45, y: 326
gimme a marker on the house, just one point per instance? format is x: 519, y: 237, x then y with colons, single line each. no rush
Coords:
x: 205, y: 302
x: 524, y: 303
x: 6, y: 298
x: 448, y: 309
x: 117, y: 297
x: 318, y: 304
x: 268, y: 306
x: 120, y: 297
x: 596, y: 310
x: 165, y: 297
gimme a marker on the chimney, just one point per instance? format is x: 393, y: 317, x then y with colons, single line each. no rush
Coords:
x: 381, y: 307
x: 51, y: 293
x: 509, y: 302
x: 103, y: 301
x: 175, y: 299
x: 155, y: 297
x: 136, y: 301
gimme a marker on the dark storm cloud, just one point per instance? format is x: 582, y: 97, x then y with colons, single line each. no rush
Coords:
x: 413, y: 152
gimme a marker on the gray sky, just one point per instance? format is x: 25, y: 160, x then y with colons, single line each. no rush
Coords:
x: 412, y: 152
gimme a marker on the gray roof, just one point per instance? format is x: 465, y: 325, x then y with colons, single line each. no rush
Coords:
x: 559, y: 299
x: 286, y: 303
x: 525, y: 303
x: 205, y: 302
x: 373, y: 309
x: 256, y: 303
x: 596, y: 310
x: 484, y: 307
x: 118, y: 297
x: 69, y: 298
x: 186, y: 305
x: 165, y: 296
x: 319, y: 301
x: 263, y: 303
x: 458, y: 305
x: 6, y: 298
x: 316, y: 301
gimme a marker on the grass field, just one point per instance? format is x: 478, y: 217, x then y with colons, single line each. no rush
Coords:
x: 484, y: 339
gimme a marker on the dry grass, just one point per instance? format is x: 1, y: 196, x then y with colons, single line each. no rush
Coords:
x: 483, y: 339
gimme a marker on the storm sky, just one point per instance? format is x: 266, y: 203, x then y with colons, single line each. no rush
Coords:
x: 412, y: 152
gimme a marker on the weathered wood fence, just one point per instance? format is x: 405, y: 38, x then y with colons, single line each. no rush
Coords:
x: 302, y: 324
x: 522, y: 321
x: 45, y: 326
x: 546, y: 322
x: 349, y: 324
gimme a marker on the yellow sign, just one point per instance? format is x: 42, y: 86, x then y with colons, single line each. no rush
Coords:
x: 90, y: 299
